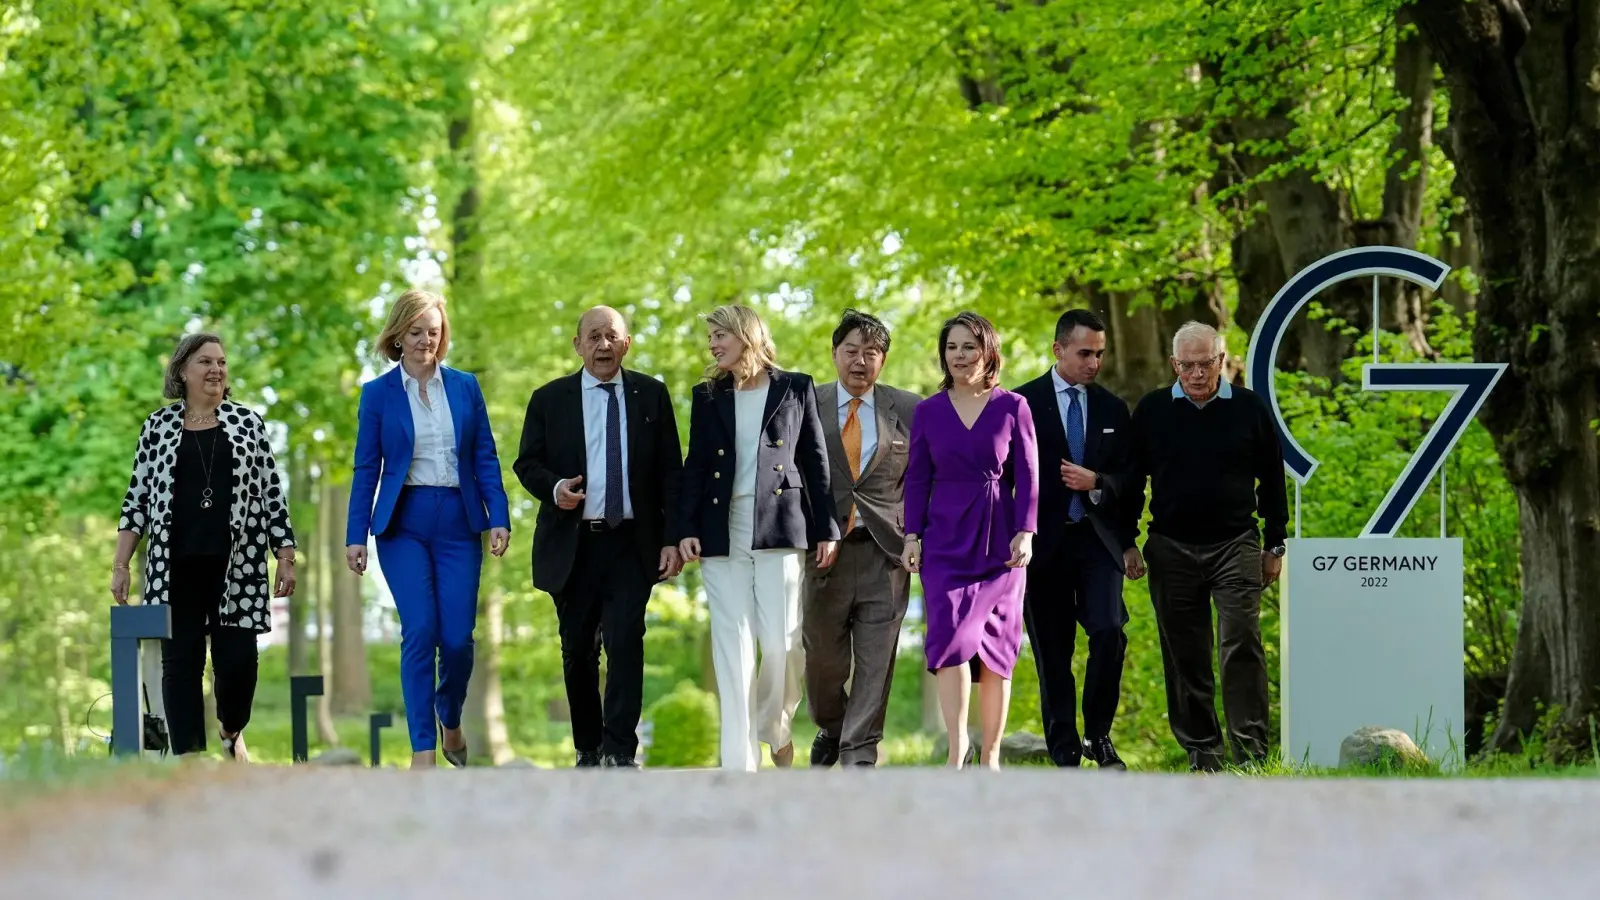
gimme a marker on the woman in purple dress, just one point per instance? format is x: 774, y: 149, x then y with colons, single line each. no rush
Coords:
x: 972, y: 487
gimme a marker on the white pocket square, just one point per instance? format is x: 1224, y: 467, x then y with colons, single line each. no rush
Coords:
x: 1107, y: 430
x: 897, y: 443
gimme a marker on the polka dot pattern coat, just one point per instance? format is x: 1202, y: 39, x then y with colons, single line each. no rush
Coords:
x: 258, y: 513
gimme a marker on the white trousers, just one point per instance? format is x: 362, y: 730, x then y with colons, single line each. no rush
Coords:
x: 755, y: 604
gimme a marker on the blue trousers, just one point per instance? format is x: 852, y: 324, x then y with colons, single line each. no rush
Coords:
x: 431, y: 560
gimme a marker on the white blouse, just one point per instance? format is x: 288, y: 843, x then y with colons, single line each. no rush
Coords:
x: 747, y: 409
x: 433, y: 455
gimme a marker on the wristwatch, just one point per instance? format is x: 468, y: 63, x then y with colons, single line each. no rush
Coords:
x: 1278, y: 551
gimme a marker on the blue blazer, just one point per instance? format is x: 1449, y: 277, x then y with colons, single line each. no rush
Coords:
x: 386, y: 437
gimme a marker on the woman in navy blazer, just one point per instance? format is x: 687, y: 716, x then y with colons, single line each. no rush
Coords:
x: 755, y: 497
x: 424, y: 448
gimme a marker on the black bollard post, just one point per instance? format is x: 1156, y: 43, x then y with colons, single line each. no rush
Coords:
x: 129, y: 626
x: 379, y: 722
x: 301, y: 687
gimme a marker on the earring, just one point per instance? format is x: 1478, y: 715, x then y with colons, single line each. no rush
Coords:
x: 397, y: 345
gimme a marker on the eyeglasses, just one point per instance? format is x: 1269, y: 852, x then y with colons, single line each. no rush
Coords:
x: 1197, y: 365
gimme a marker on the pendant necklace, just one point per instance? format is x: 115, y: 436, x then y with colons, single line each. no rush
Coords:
x: 205, y: 463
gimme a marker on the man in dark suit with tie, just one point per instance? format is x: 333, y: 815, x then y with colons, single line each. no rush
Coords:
x: 1083, y: 549
x: 852, y: 610
x: 600, y: 453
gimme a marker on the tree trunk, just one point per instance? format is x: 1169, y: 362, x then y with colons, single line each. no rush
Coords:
x: 326, y: 732
x: 351, y: 691
x: 1524, y: 134
x: 485, y: 713
x: 485, y: 709
x: 1308, y: 218
x: 1461, y: 254
x: 1405, y: 182
x: 1257, y: 268
x: 1139, y: 336
x: 299, y: 604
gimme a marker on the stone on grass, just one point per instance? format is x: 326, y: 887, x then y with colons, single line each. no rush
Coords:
x: 1023, y: 747
x: 1018, y: 747
x: 338, y: 756
x: 1373, y: 746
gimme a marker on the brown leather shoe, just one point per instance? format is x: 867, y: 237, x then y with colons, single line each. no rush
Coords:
x: 783, y: 757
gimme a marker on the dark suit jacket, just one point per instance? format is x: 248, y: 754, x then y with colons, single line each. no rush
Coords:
x: 1105, y: 451
x: 880, y: 493
x: 553, y: 448
x: 793, y: 505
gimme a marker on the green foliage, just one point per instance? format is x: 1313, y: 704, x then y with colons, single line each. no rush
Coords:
x: 41, y: 770
x: 277, y: 175
x: 684, y: 728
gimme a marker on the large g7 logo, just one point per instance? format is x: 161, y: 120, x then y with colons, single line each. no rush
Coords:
x: 1469, y: 382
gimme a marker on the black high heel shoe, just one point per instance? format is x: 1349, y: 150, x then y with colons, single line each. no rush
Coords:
x: 457, y: 758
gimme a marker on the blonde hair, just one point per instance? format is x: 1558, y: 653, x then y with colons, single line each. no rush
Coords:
x: 743, y: 323
x: 405, y: 310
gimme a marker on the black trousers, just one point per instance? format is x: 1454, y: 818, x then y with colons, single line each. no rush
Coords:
x: 1184, y: 581
x: 1077, y: 583
x: 195, y: 596
x: 603, y: 604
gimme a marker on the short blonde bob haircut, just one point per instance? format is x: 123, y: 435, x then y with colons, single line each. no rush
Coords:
x: 405, y: 310
x: 759, y: 352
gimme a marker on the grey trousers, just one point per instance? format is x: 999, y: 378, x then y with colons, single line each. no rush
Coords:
x: 850, y: 616
x: 1184, y: 581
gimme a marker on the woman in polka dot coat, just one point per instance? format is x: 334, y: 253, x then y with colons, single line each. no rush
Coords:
x: 205, y: 492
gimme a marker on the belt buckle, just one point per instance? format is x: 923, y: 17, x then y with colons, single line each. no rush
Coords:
x: 596, y: 524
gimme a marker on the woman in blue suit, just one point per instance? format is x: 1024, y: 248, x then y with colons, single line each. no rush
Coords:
x: 425, y: 450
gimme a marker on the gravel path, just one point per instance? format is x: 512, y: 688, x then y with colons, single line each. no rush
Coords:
x: 921, y: 833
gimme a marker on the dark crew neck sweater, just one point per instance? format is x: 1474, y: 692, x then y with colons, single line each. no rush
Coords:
x: 1212, y: 470
x: 202, y: 530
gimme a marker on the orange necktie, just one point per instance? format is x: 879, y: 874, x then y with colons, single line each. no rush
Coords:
x: 851, y: 434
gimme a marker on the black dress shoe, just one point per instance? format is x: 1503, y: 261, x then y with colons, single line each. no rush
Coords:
x: 618, y: 761
x: 1068, y: 757
x: 589, y: 759
x: 864, y: 764
x: 824, y: 750
x: 1104, y: 753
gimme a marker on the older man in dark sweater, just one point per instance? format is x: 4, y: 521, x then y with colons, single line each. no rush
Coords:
x: 1211, y: 453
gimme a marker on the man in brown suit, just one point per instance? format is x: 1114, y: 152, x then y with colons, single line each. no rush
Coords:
x: 851, y: 611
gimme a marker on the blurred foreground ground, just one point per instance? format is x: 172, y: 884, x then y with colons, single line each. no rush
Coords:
x: 916, y: 833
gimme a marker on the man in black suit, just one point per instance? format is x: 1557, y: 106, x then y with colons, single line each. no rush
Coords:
x: 1083, y: 548
x: 600, y: 453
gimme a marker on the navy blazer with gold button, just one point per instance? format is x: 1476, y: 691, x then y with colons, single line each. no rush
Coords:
x: 793, y: 503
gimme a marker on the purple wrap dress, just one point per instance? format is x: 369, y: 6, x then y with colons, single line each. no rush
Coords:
x: 968, y: 493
